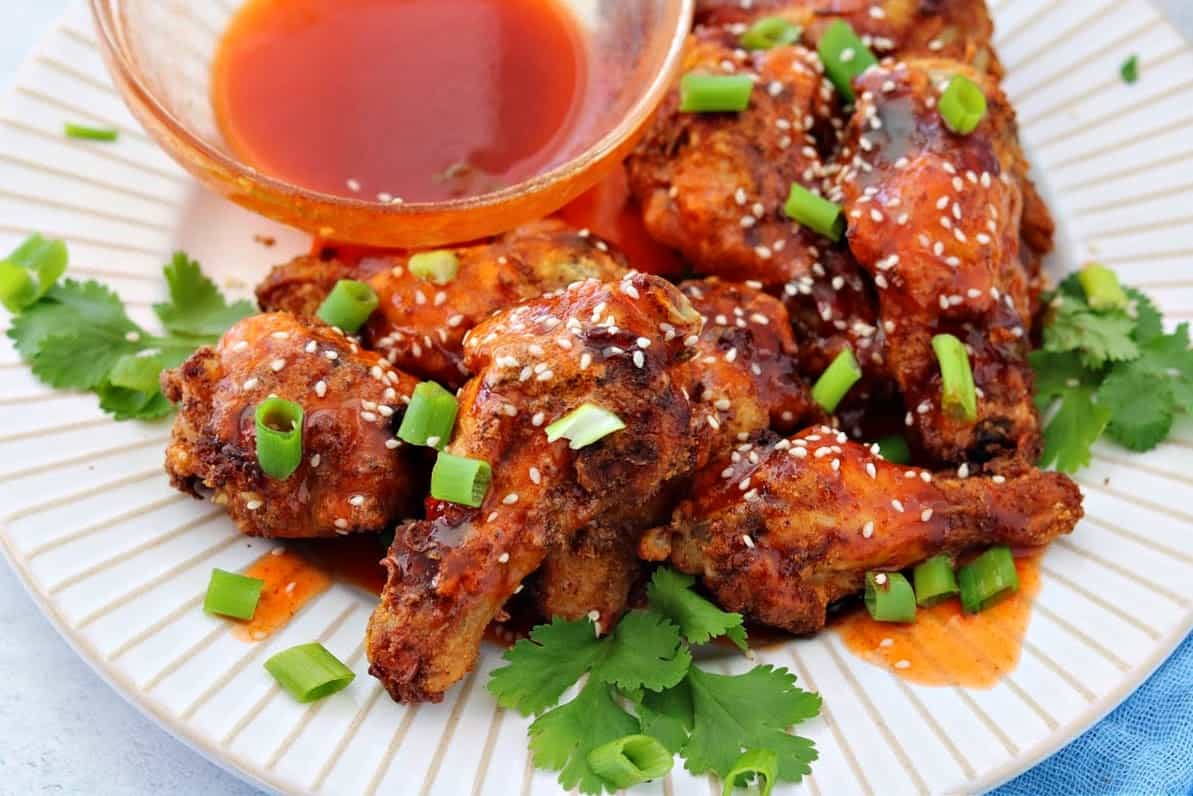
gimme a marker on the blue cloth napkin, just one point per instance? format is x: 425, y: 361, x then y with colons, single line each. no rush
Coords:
x: 1143, y: 748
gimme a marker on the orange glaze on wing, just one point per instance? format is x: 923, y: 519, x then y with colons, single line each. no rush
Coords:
x: 290, y: 583
x: 945, y: 645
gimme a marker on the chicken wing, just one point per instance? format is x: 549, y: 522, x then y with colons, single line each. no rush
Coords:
x: 353, y: 476
x: 609, y: 344
x: 794, y: 524
x: 420, y: 326
x: 713, y: 185
x: 934, y: 217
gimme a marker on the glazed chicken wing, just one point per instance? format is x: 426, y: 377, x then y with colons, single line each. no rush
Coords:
x: 794, y: 524
x: 420, y: 325
x: 713, y: 185
x: 353, y: 476
x: 934, y: 217
x: 609, y: 344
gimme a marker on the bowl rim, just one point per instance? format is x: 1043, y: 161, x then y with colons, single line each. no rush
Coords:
x: 127, y: 74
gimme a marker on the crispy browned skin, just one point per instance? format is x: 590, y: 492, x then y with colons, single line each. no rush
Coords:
x: 602, y: 343
x: 352, y: 478
x: 956, y: 29
x: 713, y: 185
x: 934, y: 217
x: 793, y: 525
x: 420, y: 326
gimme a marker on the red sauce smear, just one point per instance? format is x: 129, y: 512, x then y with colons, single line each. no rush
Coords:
x: 945, y: 645
x: 420, y: 99
x: 290, y: 583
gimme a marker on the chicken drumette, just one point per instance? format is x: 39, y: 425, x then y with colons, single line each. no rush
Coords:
x: 609, y: 344
x: 794, y: 524
x: 420, y: 325
x: 353, y: 476
x: 935, y: 218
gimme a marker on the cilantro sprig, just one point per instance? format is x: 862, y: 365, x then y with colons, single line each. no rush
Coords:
x: 641, y: 679
x: 77, y: 335
x: 1107, y: 366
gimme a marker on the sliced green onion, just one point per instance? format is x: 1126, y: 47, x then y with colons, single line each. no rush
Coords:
x: 963, y: 105
x: 935, y: 581
x: 894, y: 449
x: 430, y: 417
x: 770, y: 32
x: 1102, y: 288
x: 1130, y: 70
x: 762, y: 763
x: 836, y: 380
x: 889, y: 597
x: 957, y: 392
x: 232, y: 594
x: 987, y: 579
x: 701, y: 93
x: 845, y: 56
x: 584, y: 425
x: 279, y: 437
x: 73, y: 130
x: 440, y: 266
x: 309, y: 672
x: 348, y: 305
x: 17, y: 288
x: 815, y: 212
x: 458, y: 479
x: 630, y: 760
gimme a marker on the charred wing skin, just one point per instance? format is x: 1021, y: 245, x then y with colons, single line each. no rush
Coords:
x: 353, y: 477
x: 781, y: 534
x: 713, y: 185
x: 600, y: 343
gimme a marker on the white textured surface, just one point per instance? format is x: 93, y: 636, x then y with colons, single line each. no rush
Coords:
x: 62, y: 730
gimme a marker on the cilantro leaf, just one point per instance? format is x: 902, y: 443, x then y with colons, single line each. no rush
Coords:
x: 1072, y: 431
x: 126, y: 404
x: 1144, y: 396
x: 542, y: 667
x: 749, y: 711
x: 643, y: 651
x: 196, y: 306
x: 561, y: 739
x: 70, y: 308
x: 1098, y: 337
x: 667, y: 715
x: 1149, y: 324
x: 670, y: 593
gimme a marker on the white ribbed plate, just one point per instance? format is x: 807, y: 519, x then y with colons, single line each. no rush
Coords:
x: 119, y: 562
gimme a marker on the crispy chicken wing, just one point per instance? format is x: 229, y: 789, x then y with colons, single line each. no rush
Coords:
x: 353, y: 476
x: 610, y: 344
x: 956, y: 29
x: 794, y: 524
x: 420, y: 326
x: 935, y: 219
x: 713, y: 185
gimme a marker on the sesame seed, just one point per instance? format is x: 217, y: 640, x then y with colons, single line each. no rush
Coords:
x: 321, y: 388
x: 356, y: 500
x: 433, y: 441
x: 871, y: 470
x: 537, y: 419
x: 331, y: 355
x: 925, y: 515
x: 392, y: 444
x: 868, y: 529
x: 963, y: 470
x: 503, y: 558
x: 748, y: 541
x: 639, y: 359
x: 999, y: 479
x: 880, y: 578
x: 903, y: 664
x: 277, y: 365
x: 341, y: 523
x: 253, y: 505
x: 535, y: 476
x: 368, y: 417
x: 897, y: 505
x: 315, y: 460
x: 250, y: 383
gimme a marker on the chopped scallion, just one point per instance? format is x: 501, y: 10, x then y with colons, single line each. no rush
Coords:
x: 36, y: 255
x: 963, y: 105
x: 845, y: 56
x: 894, y: 449
x: 815, y: 212
x: 17, y: 288
x: 630, y: 760
x: 279, y: 437
x: 957, y: 391
x: 889, y: 597
x: 1102, y: 288
x: 753, y: 763
x: 770, y: 32
x: 430, y: 417
x: 439, y: 266
x: 701, y: 93
x: 458, y: 479
x: 309, y: 672
x: 584, y: 425
x: 348, y: 305
x: 232, y: 594
x: 836, y: 380
x: 73, y: 130
x: 934, y: 581
x: 987, y: 579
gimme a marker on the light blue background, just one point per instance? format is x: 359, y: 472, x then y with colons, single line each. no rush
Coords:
x: 62, y: 730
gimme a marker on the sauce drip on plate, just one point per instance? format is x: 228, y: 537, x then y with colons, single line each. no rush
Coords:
x: 290, y: 583
x: 417, y: 100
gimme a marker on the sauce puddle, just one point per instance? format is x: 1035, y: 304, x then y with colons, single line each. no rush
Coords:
x: 946, y: 646
x: 290, y: 583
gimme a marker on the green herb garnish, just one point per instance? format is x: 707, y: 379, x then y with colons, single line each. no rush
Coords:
x: 1130, y: 70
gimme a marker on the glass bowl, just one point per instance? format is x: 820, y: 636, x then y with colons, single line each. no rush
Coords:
x: 160, y: 54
